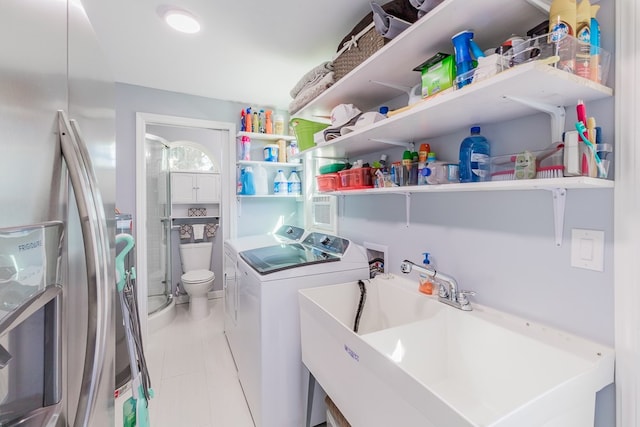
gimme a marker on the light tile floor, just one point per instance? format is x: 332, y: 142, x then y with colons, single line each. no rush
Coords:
x: 193, y: 374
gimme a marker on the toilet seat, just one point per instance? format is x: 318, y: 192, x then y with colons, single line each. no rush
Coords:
x: 198, y: 276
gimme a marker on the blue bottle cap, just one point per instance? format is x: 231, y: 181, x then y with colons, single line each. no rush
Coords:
x: 426, y: 258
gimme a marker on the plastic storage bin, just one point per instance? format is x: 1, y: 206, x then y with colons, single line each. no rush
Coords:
x: 355, y: 179
x: 304, y: 130
x: 328, y: 182
x: 547, y: 163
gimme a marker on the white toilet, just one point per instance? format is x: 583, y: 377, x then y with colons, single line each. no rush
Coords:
x: 197, y: 278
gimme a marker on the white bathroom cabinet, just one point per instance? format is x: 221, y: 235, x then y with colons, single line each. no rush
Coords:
x: 195, y: 187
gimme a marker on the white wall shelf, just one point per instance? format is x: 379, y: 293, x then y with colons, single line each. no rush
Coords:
x: 575, y: 182
x: 429, y: 35
x: 494, y: 100
x: 557, y: 186
x: 274, y: 165
x: 266, y: 136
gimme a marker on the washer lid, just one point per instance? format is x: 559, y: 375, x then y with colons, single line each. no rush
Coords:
x: 198, y: 276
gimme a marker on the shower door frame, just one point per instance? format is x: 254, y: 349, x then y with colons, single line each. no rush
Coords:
x: 227, y: 174
x: 165, y: 222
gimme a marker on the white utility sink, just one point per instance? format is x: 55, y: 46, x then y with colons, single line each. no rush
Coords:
x: 419, y: 362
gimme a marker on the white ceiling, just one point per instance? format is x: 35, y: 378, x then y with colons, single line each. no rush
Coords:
x: 248, y: 51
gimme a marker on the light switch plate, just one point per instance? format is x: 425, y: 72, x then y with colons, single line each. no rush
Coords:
x: 587, y: 249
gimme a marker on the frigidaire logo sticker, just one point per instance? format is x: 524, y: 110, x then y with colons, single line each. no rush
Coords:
x: 30, y: 245
x: 352, y: 353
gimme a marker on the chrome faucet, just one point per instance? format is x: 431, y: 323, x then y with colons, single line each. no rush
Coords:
x: 448, y: 292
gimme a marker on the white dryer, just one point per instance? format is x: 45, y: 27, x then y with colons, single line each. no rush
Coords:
x: 284, y: 234
x: 267, y: 349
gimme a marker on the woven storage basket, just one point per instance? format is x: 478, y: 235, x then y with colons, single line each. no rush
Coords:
x: 367, y: 42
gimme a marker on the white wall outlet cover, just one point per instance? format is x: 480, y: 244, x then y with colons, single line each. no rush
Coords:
x: 587, y: 249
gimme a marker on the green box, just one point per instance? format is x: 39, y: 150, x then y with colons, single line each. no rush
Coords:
x: 438, y: 73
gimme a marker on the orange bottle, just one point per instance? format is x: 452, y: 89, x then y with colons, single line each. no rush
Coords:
x: 426, y: 283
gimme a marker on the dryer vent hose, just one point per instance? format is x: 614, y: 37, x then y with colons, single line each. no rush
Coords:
x: 363, y: 298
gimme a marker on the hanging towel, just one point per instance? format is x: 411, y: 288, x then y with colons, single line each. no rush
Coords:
x: 198, y: 231
x: 210, y: 229
x: 185, y: 231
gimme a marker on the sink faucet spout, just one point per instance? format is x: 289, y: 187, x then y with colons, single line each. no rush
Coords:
x: 451, y: 296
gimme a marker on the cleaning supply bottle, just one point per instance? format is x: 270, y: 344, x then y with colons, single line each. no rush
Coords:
x: 278, y: 126
x: 248, y: 125
x: 248, y: 183
x: 280, y: 184
x: 583, y: 34
x: 562, y: 23
x: 268, y: 122
x: 474, y: 157
x: 245, y: 148
x: 595, y: 74
x: 294, y: 185
x: 261, y: 181
x: 427, y: 286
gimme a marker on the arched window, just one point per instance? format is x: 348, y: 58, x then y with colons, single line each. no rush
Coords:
x: 191, y: 156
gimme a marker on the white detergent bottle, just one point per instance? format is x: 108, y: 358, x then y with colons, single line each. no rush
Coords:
x: 261, y: 181
x: 280, y: 184
x: 294, y: 184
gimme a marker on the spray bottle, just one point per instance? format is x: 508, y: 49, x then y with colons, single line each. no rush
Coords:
x: 248, y: 126
x: 562, y: 23
x: 464, y: 47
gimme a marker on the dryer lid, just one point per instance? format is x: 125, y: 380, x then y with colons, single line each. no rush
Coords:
x: 198, y: 276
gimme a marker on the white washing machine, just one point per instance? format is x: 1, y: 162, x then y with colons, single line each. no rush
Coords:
x: 266, y: 347
x: 284, y: 234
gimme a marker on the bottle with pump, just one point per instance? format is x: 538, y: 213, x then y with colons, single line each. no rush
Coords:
x: 280, y: 184
x: 293, y: 184
x: 474, y: 157
x: 427, y: 285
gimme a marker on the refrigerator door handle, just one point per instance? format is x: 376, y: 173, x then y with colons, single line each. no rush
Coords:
x: 97, y: 252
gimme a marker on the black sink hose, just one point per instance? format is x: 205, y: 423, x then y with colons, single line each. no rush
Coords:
x: 363, y: 298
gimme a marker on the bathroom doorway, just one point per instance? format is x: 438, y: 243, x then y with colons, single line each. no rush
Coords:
x: 161, y: 144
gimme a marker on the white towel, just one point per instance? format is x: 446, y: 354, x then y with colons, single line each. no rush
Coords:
x: 198, y: 231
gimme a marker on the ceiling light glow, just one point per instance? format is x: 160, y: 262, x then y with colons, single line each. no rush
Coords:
x: 182, y: 21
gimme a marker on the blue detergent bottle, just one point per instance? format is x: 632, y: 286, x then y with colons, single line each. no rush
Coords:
x: 474, y: 157
x: 248, y: 183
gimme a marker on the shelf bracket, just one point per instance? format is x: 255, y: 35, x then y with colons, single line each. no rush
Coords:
x: 407, y: 208
x: 557, y: 114
x: 405, y: 89
x: 559, y: 198
x: 392, y: 142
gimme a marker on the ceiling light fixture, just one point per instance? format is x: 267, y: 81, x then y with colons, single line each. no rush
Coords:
x: 181, y: 20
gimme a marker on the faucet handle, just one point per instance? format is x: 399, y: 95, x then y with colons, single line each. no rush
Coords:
x: 462, y: 297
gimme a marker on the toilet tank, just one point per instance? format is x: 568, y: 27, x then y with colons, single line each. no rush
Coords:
x: 196, y: 256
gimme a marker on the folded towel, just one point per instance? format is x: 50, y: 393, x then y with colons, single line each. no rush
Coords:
x: 312, y: 76
x: 312, y: 92
x: 198, y: 231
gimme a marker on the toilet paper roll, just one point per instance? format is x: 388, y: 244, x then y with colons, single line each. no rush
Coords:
x: 198, y: 231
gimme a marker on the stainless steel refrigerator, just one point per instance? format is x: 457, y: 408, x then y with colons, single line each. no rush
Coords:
x: 57, y: 180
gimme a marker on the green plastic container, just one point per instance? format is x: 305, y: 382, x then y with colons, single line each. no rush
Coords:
x: 304, y: 130
x: 331, y: 168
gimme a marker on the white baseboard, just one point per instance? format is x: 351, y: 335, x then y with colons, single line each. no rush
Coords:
x: 184, y: 298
